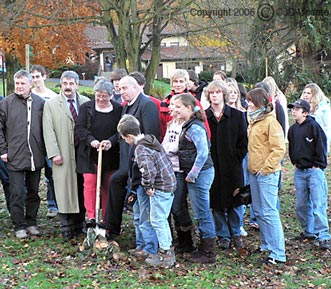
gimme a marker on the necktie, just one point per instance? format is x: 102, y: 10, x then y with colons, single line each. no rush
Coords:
x: 74, y: 116
x: 72, y: 109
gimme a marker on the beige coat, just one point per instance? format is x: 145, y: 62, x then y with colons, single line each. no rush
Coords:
x: 58, y: 129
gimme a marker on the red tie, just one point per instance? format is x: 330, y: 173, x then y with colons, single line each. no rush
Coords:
x: 74, y: 116
x: 72, y: 109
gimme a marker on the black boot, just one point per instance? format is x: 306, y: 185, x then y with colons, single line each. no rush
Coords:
x: 185, y: 242
x: 206, y: 253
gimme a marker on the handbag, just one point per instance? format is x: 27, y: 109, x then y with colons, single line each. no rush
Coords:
x: 242, y: 196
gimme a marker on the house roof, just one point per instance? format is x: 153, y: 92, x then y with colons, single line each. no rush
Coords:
x: 176, y: 53
x: 98, y: 37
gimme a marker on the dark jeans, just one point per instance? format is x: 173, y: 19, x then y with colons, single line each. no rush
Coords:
x: 24, y: 203
x: 75, y: 222
x: 179, y: 208
x: 4, y: 176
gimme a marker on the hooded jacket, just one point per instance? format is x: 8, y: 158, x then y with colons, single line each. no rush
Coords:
x: 266, y: 145
x: 154, y: 165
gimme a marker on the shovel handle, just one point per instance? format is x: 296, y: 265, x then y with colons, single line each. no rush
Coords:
x: 98, y: 188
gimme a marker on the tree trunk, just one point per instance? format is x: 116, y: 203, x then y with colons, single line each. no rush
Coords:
x: 12, y: 67
x: 156, y: 48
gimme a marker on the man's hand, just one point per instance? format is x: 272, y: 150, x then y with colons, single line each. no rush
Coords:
x: 4, y: 158
x: 57, y: 160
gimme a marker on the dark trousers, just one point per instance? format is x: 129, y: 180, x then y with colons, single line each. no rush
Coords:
x: 115, y: 201
x: 179, y: 207
x: 117, y: 192
x: 4, y: 176
x: 24, y: 201
x: 51, y: 201
x: 75, y: 222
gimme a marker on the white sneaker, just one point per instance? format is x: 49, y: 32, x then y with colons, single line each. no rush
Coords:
x: 32, y: 230
x: 51, y: 213
x: 243, y: 233
x: 21, y: 234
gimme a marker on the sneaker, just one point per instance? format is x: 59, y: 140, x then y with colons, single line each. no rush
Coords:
x: 133, y: 251
x: 272, y: 261
x: 165, y: 258
x: 254, y: 226
x: 51, y: 213
x: 324, y: 245
x: 224, y: 243
x: 243, y: 233
x: 139, y: 254
x: 238, y: 242
x: 303, y: 237
x: 32, y: 230
x: 21, y: 234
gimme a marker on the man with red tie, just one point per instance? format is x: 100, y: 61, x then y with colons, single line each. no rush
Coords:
x: 61, y: 142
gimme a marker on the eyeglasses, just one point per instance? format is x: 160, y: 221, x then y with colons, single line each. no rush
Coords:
x: 102, y: 96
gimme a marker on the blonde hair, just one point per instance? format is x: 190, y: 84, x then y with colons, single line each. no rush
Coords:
x: 180, y: 73
x: 317, y: 96
x: 217, y: 84
x: 274, y: 89
x: 237, y: 104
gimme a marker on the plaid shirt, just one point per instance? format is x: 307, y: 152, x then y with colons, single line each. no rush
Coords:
x: 156, y: 168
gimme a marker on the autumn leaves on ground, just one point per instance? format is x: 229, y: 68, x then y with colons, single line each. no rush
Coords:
x: 47, y: 262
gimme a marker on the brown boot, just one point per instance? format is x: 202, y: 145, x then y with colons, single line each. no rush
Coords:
x: 206, y: 253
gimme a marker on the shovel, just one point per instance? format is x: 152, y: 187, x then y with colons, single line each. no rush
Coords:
x: 97, y: 233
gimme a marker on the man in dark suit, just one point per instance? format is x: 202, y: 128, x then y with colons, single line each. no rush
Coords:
x: 141, y: 107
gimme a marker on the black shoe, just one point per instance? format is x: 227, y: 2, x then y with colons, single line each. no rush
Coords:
x: 90, y: 223
x: 272, y: 261
x: 111, y: 237
x: 324, y: 245
x: 303, y: 237
x: 67, y: 236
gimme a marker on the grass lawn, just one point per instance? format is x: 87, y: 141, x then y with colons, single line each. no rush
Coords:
x: 46, y: 262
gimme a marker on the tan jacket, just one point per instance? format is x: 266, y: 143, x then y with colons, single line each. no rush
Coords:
x: 266, y: 145
x: 58, y: 128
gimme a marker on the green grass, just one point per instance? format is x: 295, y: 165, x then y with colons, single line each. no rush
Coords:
x: 47, y: 262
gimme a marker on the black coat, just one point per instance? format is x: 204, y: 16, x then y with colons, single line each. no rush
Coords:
x: 147, y: 113
x: 228, y: 148
x: 84, y: 122
x: 15, y: 138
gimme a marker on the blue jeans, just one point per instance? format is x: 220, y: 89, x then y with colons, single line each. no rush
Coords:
x: 264, y: 197
x: 199, y: 196
x: 311, y: 204
x: 161, y: 204
x: 179, y: 208
x: 146, y: 238
x: 227, y: 223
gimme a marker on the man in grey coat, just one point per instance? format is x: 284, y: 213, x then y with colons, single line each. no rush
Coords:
x: 59, y: 119
x: 22, y: 148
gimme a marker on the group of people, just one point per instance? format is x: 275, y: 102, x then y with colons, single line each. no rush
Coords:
x: 198, y: 145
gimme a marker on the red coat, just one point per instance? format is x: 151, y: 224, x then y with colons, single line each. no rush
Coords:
x: 165, y: 116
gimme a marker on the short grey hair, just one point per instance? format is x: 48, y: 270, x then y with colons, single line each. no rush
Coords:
x: 70, y: 74
x: 104, y: 85
x: 23, y: 73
